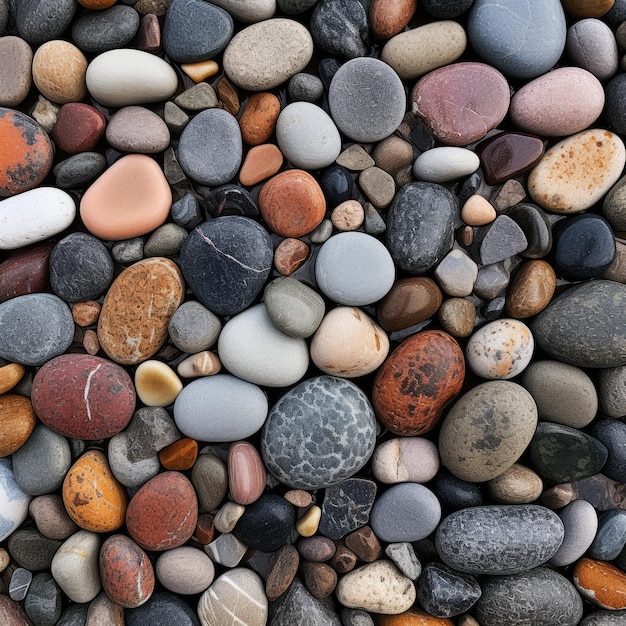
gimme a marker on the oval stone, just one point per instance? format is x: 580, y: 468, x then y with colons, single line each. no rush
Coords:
x: 517, y: 485
x: 17, y: 420
x: 99, y: 31
x: 319, y: 433
x: 591, y: 45
x: 137, y: 129
x: 577, y: 171
x: 487, y: 430
x: 266, y: 523
x: 26, y: 271
x: 163, y: 607
x: 137, y: 309
x: 266, y: 54
x: 445, y: 164
x: 580, y: 521
x: 185, y: 570
x: 220, y: 408
x: 418, y: 380
x: 600, y: 583
x: 388, y: 19
x: 531, y: 289
x: 499, y: 539
x: 15, y: 73
x: 562, y: 102
x: 13, y: 501
x: 246, y: 473
x: 405, y: 459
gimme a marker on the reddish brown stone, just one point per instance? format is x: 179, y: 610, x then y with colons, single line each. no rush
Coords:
x: 86, y: 313
x: 180, y: 455
x: 149, y: 34
x: 246, y: 473
x: 365, y: 544
x: 25, y: 153
x: 417, y: 381
x: 26, y: 272
x: 126, y: 572
x: 162, y: 515
x: 317, y: 549
x: 344, y: 560
x: 319, y: 578
x: 259, y: 118
x: 12, y: 613
x: 228, y: 95
x: 205, y: 529
x: 409, y: 302
x: 289, y: 255
x: 282, y: 571
x: 78, y: 128
x: 388, y: 17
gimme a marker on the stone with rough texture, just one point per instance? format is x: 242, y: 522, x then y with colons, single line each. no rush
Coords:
x: 163, y: 608
x: 39, y: 21
x: 340, y: 27
x: 446, y: 593
x: 298, y: 606
x: 612, y: 391
x: 517, y: 485
x: 137, y: 129
x: 601, y: 583
x: 105, y: 30
x: 193, y: 328
x: 78, y: 127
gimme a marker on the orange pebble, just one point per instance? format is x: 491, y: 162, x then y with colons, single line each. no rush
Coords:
x: 601, y: 583
x: 17, y: 420
x: 413, y: 617
x: 259, y: 118
x: 97, y: 5
x: 205, y: 529
x: 260, y: 163
x: 10, y: 375
x: 201, y: 70
x: 179, y: 456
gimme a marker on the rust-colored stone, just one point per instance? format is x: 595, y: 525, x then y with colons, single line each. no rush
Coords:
x: 205, y: 529
x: 25, y: 272
x: 10, y: 375
x: 531, y: 289
x: 86, y: 313
x: 180, y: 455
x: 319, y: 578
x: 413, y: 617
x: 601, y: 583
x: 78, y: 128
x: 17, y: 420
x: 365, y: 544
x: 149, y: 34
x: 258, y: 120
x: 260, y: 163
x: 289, y: 255
x: 388, y: 17
x: 344, y: 560
x: 587, y: 8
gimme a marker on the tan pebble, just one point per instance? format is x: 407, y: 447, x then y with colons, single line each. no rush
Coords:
x: 201, y: 364
x: 283, y: 569
x: 308, y: 524
x: 158, y: 7
x: 378, y: 186
x: 517, y: 485
x: 298, y: 497
x: 91, y: 343
x: 259, y: 118
x: 228, y: 95
x: 10, y: 375
x: 46, y: 114
x: 477, y: 211
x: 531, y: 289
x: 559, y: 496
x: 228, y: 516
x: 260, y: 163
x: 201, y: 70
x: 5, y: 559
x: 103, y: 611
x: 510, y: 194
x: 467, y: 620
x: 289, y: 255
x: 17, y: 421
x: 458, y: 317
x: 348, y: 215
x: 59, y: 70
x: 348, y: 343
x: 86, y: 313
x: 355, y: 158
x: 156, y: 383
x: 392, y: 153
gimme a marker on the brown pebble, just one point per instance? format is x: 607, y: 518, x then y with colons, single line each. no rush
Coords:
x: 365, y: 544
x: 180, y: 455
x: 558, y: 496
x: 388, y: 17
x: 228, y: 95
x: 617, y: 270
x: 517, y: 485
x: 59, y: 70
x: 260, y: 163
x: 259, y: 118
x: 393, y: 153
x: 299, y: 498
x: 378, y: 186
x: 86, y: 313
x: 319, y: 578
x: 283, y: 570
x: 10, y: 375
x: 355, y: 158
x: 348, y: 215
x: 457, y: 317
x: 587, y: 8
x: 149, y: 34
x: 78, y: 128
x: 317, y: 549
x: 403, y: 176
x: 205, y: 529
x: 17, y: 421
x: 508, y: 195
x: 50, y: 517
x: 210, y: 480
x: 531, y: 289
x: 344, y: 560
x: 27, y: 271
x: 158, y: 7
x: 91, y: 343
x: 290, y: 254
x: 104, y: 612
x: 464, y: 236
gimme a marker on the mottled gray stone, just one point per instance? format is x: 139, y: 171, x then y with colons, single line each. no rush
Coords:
x: 128, y: 251
x: 150, y: 430
x: 492, y: 280
x: 319, y: 433
x: 43, y: 601
x: 420, y: 226
x: 356, y: 617
x: 31, y: 550
x: 79, y: 170
x: 604, y: 618
x: 175, y: 118
x: 340, y: 27
x: 197, y: 98
x: 612, y: 434
x: 166, y: 240
x: 591, y: 45
x: 403, y: 555
x: 38, y: 21
x: 74, y: 615
x: 305, y: 87
x: 295, y: 7
x: 575, y: 326
x: 297, y: 607
x: 444, y: 592
x: 99, y: 31
x: 502, y: 239
x: 186, y: 211
x: 612, y: 391
x: 499, y: 539
x: 130, y: 474
x: 529, y: 598
x: 610, y: 537
x: 614, y: 205
x: 193, y: 327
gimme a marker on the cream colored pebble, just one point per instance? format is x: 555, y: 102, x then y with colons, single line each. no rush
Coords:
x: 308, y: 524
x: 348, y: 215
x: 156, y: 383
x: 477, y: 211
x: 228, y: 516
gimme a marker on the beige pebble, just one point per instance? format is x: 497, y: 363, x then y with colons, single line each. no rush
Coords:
x: 393, y: 153
x: 477, y: 211
x: 405, y: 459
x: 86, y: 313
x: 201, y: 70
x: 46, y: 114
x: 467, y: 620
x: 185, y: 570
x: 457, y: 316
x: 308, y: 524
x: 348, y: 343
x: 355, y: 158
x: 10, y: 375
x: 228, y: 516
x: 348, y: 215
x: 91, y: 343
x: 59, y: 70
x: 16, y: 58
x: 517, y: 485
x: 299, y: 498
x: 617, y: 270
x: 157, y: 383
x: 378, y: 186
x: 203, y: 363
x: 103, y: 611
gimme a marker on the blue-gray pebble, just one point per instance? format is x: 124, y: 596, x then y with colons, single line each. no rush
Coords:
x: 340, y: 27
x: 612, y: 434
x: 610, y: 537
x: 100, y: 31
x: 615, y: 105
x: 162, y: 609
x: 43, y: 602
x: 38, y: 21
x: 305, y: 87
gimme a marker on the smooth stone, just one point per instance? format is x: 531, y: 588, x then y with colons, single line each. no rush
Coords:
x: 409, y: 302
x: 150, y: 430
x: 603, y: 618
x: 51, y: 518
x: 319, y: 578
x: 34, y: 216
x: 563, y: 332
x: 131, y: 474
x: 316, y: 549
x: 340, y: 27
x: 346, y: 507
x: 13, y: 500
x: 162, y: 609
x: 420, y: 378
x: 446, y: 593
x: 508, y: 155
x: 420, y: 226
x: 123, y: 77
x: 376, y: 587
x: 563, y: 393
x: 601, y: 583
x: 499, y: 241
x: 580, y: 96
x: 356, y: 159
x: 197, y: 98
x: 17, y: 420
x: 13, y: 612
x: 446, y: 9
x: 517, y: 485
x: 445, y: 164
x: 247, y: 476
x: 226, y: 550
x: 612, y: 391
x: 528, y: 597
x: 38, y: 21
x: 185, y: 570
x: 79, y: 127
x: 581, y: 523
x: 267, y: 54
x: 378, y: 186
x: 333, y: 423
x: 79, y: 170
x: 562, y: 454
x: 220, y: 408
x: 354, y: 269
x: 252, y: 348
x: 186, y: 211
x: 19, y: 584
x: 40, y: 465
x: 307, y: 136
x: 105, y: 30
x: 180, y: 455
x: 366, y: 99
x: 477, y: 211
x: 480, y: 449
x: 610, y: 537
x: 531, y: 289
x: 591, y: 45
x: 131, y: 334
x: 258, y: 119
x: 43, y: 600
x: 305, y: 87
x: 420, y: 50
x: 612, y: 434
x: 92, y: 496
x: 584, y: 246
x: 239, y: 265
x: 356, y: 617
x: 405, y: 512
x: 210, y: 480
x: 456, y: 274
x: 536, y: 227
x: 614, y: 113
x: 75, y: 566
x: 587, y: 8
x: 476, y: 96
x: 294, y: 308
x: 137, y: 129
x: 392, y: 154
x: 31, y: 550
x: 247, y: 12
x: 405, y: 459
x: 298, y: 606
x: 614, y: 205
x: 260, y: 163
x: 156, y: 383
x: 578, y: 171
x: 15, y: 72
x: 36, y: 328
x: 348, y: 343
x: 166, y: 240
x: 26, y: 271
x: 193, y: 328
x: 492, y: 281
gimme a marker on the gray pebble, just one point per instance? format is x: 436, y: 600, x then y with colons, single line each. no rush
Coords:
x: 323, y: 232
x: 614, y: 205
x: 79, y: 170
x: 166, y: 241
x: 374, y: 223
x: 150, y: 430
x: 492, y: 281
x: 604, y: 618
x: 186, y: 211
x: 446, y: 593
x: 339, y: 27
x: 99, y: 31
x: 592, y: 46
x: 502, y: 239
x: 31, y: 550
x: 612, y: 391
x: 128, y: 251
x: 175, y: 118
x: 43, y: 602
x: 403, y: 555
x: 305, y: 87
x: 130, y: 474
x: 356, y: 617
x: 19, y: 584
x: 297, y: 607
x: 193, y: 327
x: 4, y: 15
x: 38, y: 21
x: 197, y: 98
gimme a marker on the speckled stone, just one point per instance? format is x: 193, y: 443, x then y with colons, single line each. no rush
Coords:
x: 43, y: 600
x: 612, y: 391
x: 298, y: 606
x: 446, y: 593
x: 610, y: 536
x: 513, y: 538
x: 305, y: 87
x: 99, y: 31
x: 603, y: 618
x: 162, y: 609
x: 340, y: 27
x: 79, y: 170
x: 317, y: 410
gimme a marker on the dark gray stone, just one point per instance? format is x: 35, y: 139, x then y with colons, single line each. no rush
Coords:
x: 38, y: 21
x: 446, y: 9
x: 356, y: 617
x: 537, y: 229
x: 612, y: 434
x: 175, y: 118
x: 43, y: 601
x: 610, y: 537
x: 612, y: 391
x: 420, y: 226
x: 614, y: 205
x: 340, y: 27
x: 295, y: 7
x: 615, y: 104
x: 492, y: 281
x: 35, y: 328
x: 575, y: 326
x: 297, y: 607
x: 195, y: 31
x: 266, y: 524
x: 319, y: 433
x: 31, y: 550
x: 186, y: 211
x: 604, y: 618
x: 100, y: 31
x: 150, y: 430
x: 446, y: 593
x: 230, y: 200
x: 162, y: 609
x: 74, y: 615
x: 499, y: 539
x: 305, y: 87
x: 502, y: 239
x: 4, y: 15
x: 529, y: 598
x: 226, y: 262
x: 346, y: 507
x: 81, y: 268
x: 79, y: 170
x: 20, y: 581
x: 617, y: 13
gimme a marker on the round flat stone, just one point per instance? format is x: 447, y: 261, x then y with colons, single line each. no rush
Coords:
x: 100, y: 31
x: 266, y: 523
x: 15, y: 72
x: 409, y: 302
x: 366, y: 99
x: 137, y: 129
x: 332, y: 412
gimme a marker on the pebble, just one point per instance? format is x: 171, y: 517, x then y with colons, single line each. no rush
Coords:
x: 592, y: 46
x: 185, y: 570
x: 409, y: 302
x: 355, y: 158
x: 197, y: 98
x: 499, y: 240
x: 610, y: 536
x: 516, y: 485
x: 79, y: 170
x: 258, y: 119
x: 603, y: 618
x: 320, y: 579
x: 445, y: 164
x: 531, y: 289
x: 340, y: 28
x: 290, y: 254
x: 348, y: 215
x: 613, y: 205
x: 156, y: 383
x: 38, y: 21
x: 162, y: 608
x: 446, y: 593
x: 180, y: 455
x: 129, y: 473
x: 226, y: 550
x: 17, y: 421
x: 59, y: 70
x: 316, y: 549
x: 611, y: 433
x: 378, y: 186
x: 105, y: 30
x: 51, y: 518
x: 78, y: 127
x: 299, y: 605
x: 611, y: 391
x: 305, y: 87
x: 254, y: 11
x: 581, y: 523
x: 261, y: 162
x: 137, y: 129
x: 193, y: 328
x: 43, y: 600
x: 15, y: 75
x: 456, y: 274
x: 477, y: 211
x: 601, y: 583
x: 246, y: 473
x: 614, y: 112
x: 337, y: 185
